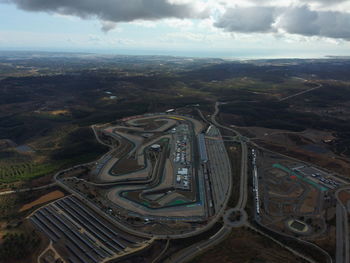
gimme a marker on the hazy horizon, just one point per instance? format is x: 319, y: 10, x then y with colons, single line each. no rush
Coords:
x: 238, y: 55
x: 200, y: 28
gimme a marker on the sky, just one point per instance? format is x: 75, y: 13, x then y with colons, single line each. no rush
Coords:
x: 200, y: 28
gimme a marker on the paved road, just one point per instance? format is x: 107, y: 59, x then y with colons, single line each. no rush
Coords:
x: 296, y: 253
x: 160, y: 255
x: 133, y: 231
x: 93, y: 127
x: 244, y: 191
x: 301, y: 93
x: 243, y: 197
x: 342, y: 230
x: 189, y: 253
x: 220, y: 171
x: 27, y: 189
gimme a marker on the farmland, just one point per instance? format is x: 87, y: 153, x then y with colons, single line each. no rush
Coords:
x: 10, y: 173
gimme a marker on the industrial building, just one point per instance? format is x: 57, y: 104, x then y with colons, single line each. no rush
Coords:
x: 156, y: 147
x: 183, y: 179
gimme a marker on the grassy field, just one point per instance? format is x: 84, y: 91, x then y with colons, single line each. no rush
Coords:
x: 13, y: 172
x: 234, y: 152
x: 8, y: 206
x: 64, y: 147
x: 253, y: 87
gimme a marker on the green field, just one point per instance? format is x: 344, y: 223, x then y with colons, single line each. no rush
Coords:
x: 62, y: 148
x: 13, y: 172
x: 177, y: 202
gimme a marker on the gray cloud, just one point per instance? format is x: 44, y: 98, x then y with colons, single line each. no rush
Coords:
x: 304, y: 21
x: 107, y: 26
x: 300, y: 21
x: 294, y: 20
x: 247, y: 19
x: 112, y: 10
x: 327, y: 2
x: 323, y: 2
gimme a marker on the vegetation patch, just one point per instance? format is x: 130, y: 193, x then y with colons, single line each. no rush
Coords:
x: 11, y: 172
x: 244, y: 245
x: 18, y: 246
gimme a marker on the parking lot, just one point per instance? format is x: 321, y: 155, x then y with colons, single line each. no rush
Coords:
x: 317, y: 176
x: 182, y: 161
x: 219, y: 166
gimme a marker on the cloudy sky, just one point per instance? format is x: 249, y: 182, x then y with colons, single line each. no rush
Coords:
x: 216, y: 28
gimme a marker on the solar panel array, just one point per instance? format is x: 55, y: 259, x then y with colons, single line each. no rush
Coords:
x: 85, y: 236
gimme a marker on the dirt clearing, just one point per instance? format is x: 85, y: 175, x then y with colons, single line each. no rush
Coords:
x: 43, y: 199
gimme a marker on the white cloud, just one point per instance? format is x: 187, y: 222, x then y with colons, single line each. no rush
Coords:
x: 144, y: 23
x: 180, y: 24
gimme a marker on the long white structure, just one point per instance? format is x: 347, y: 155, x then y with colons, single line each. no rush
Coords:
x: 256, y: 183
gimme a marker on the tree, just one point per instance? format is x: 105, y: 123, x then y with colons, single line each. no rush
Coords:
x: 18, y: 246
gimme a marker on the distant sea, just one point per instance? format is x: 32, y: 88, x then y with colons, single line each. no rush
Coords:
x: 234, y: 54
x: 227, y: 54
